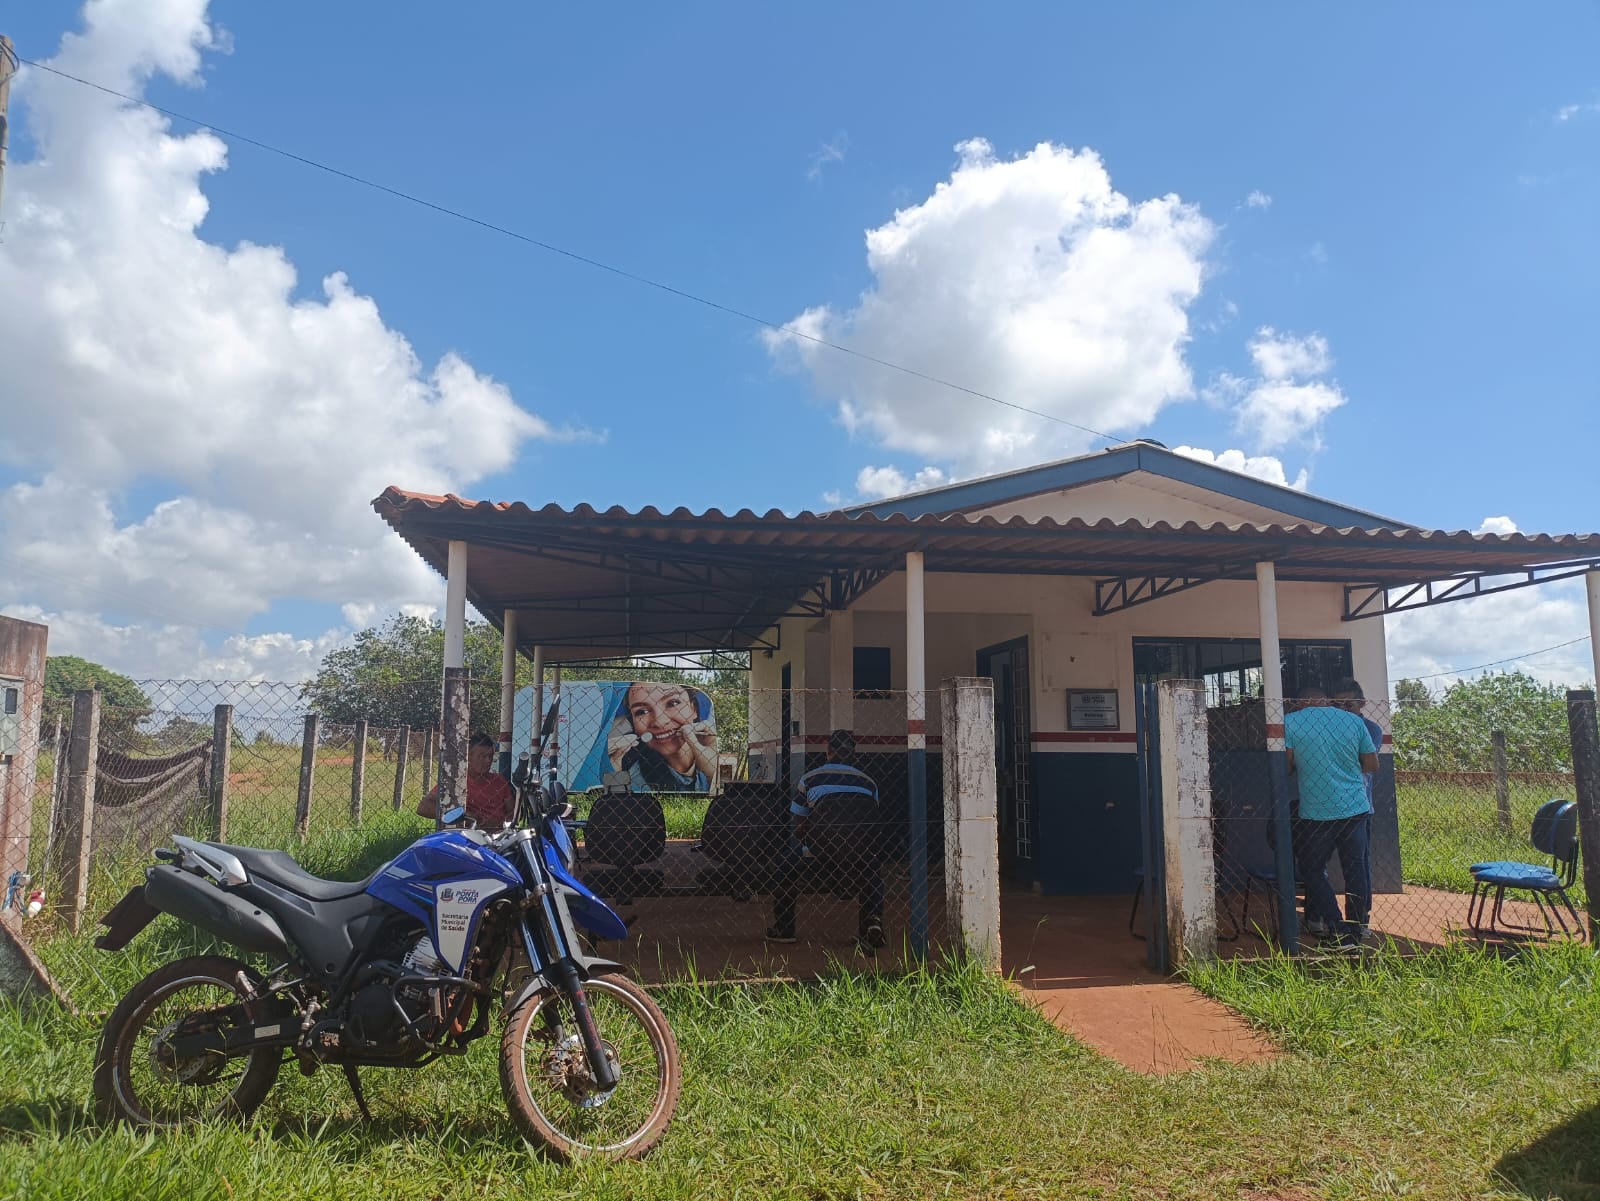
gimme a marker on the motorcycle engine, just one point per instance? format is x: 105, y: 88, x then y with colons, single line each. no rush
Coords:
x: 372, y: 1010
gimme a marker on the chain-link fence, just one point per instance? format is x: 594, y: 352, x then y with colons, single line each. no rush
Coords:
x: 1380, y: 848
x: 742, y: 838
x: 802, y: 839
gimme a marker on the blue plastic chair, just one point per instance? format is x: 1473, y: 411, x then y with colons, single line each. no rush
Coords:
x: 1555, y: 833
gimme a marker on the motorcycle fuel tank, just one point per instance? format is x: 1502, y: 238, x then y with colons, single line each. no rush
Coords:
x: 444, y: 880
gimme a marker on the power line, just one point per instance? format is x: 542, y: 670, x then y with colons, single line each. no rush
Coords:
x: 573, y: 255
x: 1461, y: 671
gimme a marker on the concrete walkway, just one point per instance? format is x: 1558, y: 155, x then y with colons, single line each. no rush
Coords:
x: 1073, y: 958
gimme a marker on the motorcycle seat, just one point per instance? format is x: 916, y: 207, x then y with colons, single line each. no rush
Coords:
x: 278, y: 867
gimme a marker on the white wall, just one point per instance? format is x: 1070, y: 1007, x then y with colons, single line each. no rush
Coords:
x: 1140, y: 498
x: 1069, y: 647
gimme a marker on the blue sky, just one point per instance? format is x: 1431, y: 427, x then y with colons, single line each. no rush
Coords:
x: 1420, y: 245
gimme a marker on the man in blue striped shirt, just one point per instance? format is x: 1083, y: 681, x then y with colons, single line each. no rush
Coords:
x: 836, y: 821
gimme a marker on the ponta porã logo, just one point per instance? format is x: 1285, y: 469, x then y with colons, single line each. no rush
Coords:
x: 445, y: 894
x: 466, y: 896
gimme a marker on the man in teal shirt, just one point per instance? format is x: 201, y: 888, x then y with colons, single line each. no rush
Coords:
x: 1330, y: 752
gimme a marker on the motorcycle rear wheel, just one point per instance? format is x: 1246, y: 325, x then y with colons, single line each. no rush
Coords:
x: 137, y: 1079
x: 545, y: 1078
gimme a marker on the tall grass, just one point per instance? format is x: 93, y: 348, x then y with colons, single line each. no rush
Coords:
x: 1447, y: 827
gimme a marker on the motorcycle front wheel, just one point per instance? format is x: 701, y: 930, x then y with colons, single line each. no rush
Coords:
x: 138, y: 1075
x: 545, y: 1077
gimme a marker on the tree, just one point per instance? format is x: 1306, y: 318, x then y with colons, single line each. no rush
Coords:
x: 123, y: 704
x: 1412, y: 694
x: 1453, y: 734
x: 393, y: 676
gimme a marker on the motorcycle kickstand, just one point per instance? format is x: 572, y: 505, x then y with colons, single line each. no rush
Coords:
x: 354, y: 1078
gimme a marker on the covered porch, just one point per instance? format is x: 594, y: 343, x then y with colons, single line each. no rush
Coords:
x: 1049, y: 609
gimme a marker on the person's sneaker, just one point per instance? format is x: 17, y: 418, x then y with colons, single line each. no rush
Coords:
x: 865, y: 947
x: 1315, y: 927
x: 872, y: 933
x: 776, y: 935
x: 1348, y: 942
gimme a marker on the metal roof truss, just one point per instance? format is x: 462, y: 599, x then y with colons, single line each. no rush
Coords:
x: 1375, y: 600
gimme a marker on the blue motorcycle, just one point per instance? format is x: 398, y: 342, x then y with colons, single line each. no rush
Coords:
x: 395, y: 970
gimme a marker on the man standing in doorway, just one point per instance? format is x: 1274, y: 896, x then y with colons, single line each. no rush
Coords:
x: 836, y: 820
x: 1331, y: 752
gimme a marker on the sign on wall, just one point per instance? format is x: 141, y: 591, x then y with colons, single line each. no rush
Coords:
x: 1092, y: 709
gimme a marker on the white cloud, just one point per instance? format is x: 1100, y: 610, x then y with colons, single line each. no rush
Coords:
x: 1258, y: 200
x: 831, y: 151
x: 1286, y: 357
x: 1496, y: 525
x: 144, y: 361
x: 1285, y: 403
x: 1485, y: 630
x: 175, y: 651
x: 1032, y: 278
x: 1263, y: 467
x: 1568, y: 111
x: 876, y: 483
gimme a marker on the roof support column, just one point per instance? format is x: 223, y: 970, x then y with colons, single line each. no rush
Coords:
x: 455, y: 607
x: 917, y: 749
x: 841, y: 669
x: 1592, y: 580
x: 508, y: 687
x: 1277, y: 760
x: 457, y: 706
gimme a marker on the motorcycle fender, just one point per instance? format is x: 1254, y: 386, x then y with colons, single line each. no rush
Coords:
x: 202, y: 904
x: 588, y: 966
x: 125, y: 919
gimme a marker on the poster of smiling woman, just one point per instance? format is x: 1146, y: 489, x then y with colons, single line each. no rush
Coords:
x: 663, y: 735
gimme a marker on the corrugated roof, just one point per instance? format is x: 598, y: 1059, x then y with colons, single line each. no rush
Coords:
x: 599, y: 581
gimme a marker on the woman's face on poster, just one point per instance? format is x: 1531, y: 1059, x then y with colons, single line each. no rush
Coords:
x: 658, y: 711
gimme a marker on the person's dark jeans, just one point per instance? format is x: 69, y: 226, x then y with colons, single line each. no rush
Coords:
x: 793, y: 868
x: 1316, y: 843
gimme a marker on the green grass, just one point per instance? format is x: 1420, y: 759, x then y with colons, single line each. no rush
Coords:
x: 1454, y: 1074
x: 685, y: 813
x: 1444, y: 828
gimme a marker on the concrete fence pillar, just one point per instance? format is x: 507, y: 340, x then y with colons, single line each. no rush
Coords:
x: 358, y: 771
x: 402, y: 751
x: 972, y: 833
x: 77, y: 816
x: 308, y: 776
x: 1186, y: 821
x: 1582, y: 728
x: 221, y: 755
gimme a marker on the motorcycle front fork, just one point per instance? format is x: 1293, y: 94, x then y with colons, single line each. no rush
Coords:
x: 558, y: 968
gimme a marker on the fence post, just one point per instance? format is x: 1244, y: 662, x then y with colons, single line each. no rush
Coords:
x: 453, y: 752
x: 1586, y: 778
x: 972, y: 836
x: 400, y: 767
x: 221, y: 755
x: 308, y: 772
x: 1502, y: 781
x: 78, y: 815
x: 358, y: 771
x: 427, y: 759
x: 1190, y: 875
